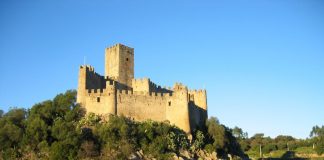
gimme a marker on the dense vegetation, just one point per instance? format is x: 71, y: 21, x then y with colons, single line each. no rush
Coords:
x: 58, y: 129
x: 260, y: 146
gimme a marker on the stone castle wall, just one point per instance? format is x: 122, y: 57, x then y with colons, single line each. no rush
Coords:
x: 119, y: 93
x: 142, y: 106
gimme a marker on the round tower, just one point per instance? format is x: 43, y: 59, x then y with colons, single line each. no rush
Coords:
x: 178, y: 109
x: 111, y: 103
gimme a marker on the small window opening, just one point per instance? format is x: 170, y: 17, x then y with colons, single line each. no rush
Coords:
x: 98, y: 99
x: 126, y: 59
x: 169, y: 103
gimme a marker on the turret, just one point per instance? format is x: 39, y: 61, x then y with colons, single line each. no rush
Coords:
x: 119, y: 64
x: 141, y: 85
x: 199, y: 98
x: 111, y: 101
x: 177, y: 109
x: 82, y: 81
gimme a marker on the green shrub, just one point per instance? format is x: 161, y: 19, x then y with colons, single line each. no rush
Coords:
x: 269, y: 147
x: 210, y: 148
x: 198, y: 141
x: 319, y: 148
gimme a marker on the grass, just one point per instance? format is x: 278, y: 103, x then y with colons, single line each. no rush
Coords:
x: 277, y: 154
x: 305, y: 150
x: 302, y: 152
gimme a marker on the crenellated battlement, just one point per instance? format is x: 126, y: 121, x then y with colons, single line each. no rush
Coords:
x: 96, y: 92
x: 199, y: 91
x: 92, y: 91
x: 124, y: 92
x: 140, y: 80
x: 87, y: 67
x: 115, y: 46
x: 120, y: 46
x: 90, y: 71
x: 141, y: 93
x: 119, y: 93
x: 110, y: 82
x: 160, y: 94
x: 141, y: 85
x: 179, y: 87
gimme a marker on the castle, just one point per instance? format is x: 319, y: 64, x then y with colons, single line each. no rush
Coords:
x: 119, y: 93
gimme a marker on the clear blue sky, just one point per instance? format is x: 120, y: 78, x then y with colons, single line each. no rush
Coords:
x: 262, y: 61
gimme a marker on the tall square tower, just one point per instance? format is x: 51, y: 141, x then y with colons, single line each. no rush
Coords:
x: 119, y: 64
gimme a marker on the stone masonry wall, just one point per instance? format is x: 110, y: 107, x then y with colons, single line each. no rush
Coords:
x: 186, y: 109
x: 119, y: 63
x: 141, y: 85
x: 142, y: 106
x: 101, y: 101
x: 118, y: 93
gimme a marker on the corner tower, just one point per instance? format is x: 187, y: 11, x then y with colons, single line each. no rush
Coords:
x: 119, y: 64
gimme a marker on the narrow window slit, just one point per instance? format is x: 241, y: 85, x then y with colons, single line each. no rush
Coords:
x: 98, y: 99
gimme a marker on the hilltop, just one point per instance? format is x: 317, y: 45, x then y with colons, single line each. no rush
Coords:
x: 59, y: 129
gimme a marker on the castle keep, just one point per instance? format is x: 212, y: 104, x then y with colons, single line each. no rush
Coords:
x: 119, y: 93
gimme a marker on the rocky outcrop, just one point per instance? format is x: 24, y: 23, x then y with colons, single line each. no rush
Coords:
x: 183, y: 155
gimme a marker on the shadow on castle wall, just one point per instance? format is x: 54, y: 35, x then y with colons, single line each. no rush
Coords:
x: 197, y: 116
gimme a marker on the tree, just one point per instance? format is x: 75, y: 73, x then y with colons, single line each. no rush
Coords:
x: 58, y: 129
x: 16, y: 116
x: 10, y: 136
x: 282, y: 141
x: 317, y: 133
x: 238, y: 133
x: 1, y: 113
x: 12, y: 128
x: 217, y: 133
x: 284, y: 138
x: 52, y: 124
x: 320, y: 146
x: 36, y: 131
x: 223, y: 140
x: 12, y: 132
x: 244, y: 144
x: 268, y: 147
x: 242, y: 138
x: 256, y: 141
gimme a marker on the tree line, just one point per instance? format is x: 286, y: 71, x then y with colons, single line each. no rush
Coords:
x: 259, y: 144
x: 59, y: 129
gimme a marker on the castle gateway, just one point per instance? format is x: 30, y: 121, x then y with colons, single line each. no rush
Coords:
x: 119, y: 93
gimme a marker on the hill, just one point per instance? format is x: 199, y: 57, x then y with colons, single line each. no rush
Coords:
x: 59, y: 129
